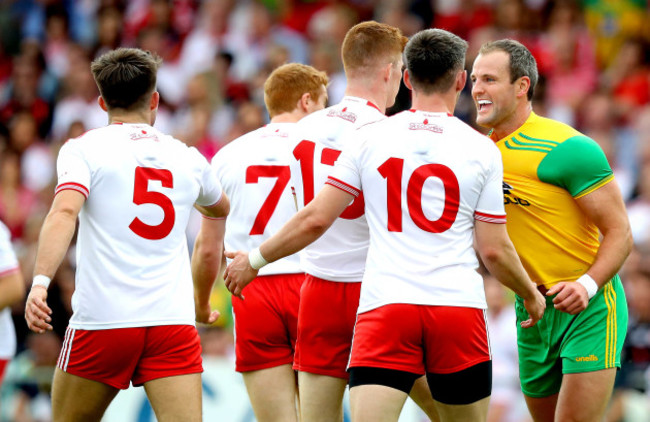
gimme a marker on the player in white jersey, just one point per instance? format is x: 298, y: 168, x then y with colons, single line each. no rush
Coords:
x: 254, y: 172
x: 132, y: 188
x: 334, y: 264
x: 432, y: 186
x: 12, y: 290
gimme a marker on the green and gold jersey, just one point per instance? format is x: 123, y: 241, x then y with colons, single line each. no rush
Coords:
x: 547, y: 165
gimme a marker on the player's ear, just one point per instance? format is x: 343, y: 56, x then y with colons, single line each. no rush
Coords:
x: 461, y: 80
x: 523, y: 85
x: 154, y: 101
x: 102, y: 103
x: 387, y: 71
x: 305, y: 101
x: 407, y: 79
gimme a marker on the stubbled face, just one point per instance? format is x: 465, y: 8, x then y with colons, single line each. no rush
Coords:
x: 493, y: 93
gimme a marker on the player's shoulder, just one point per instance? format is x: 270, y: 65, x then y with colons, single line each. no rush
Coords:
x: 547, y: 129
x: 247, y: 143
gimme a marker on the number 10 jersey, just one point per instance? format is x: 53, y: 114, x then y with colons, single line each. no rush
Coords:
x: 426, y: 177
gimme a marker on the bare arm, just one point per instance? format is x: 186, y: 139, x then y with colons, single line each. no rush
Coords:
x: 53, y: 242
x: 605, y: 207
x: 12, y: 289
x: 206, y: 262
x: 218, y: 210
x: 207, y: 256
x: 501, y: 259
x: 301, y: 230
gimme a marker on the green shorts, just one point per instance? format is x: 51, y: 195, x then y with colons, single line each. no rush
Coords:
x: 565, y: 344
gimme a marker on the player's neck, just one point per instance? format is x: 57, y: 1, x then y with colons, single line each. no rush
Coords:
x: 134, y: 117
x: 513, y: 123
x: 434, y: 103
x: 377, y: 97
x: 291, y: 117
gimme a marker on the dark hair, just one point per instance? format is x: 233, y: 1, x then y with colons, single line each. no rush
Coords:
x: 433, y: 58
x: 522, y: 62
x: 126, y: 77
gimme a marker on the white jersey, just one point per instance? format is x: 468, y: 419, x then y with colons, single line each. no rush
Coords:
x: 254, y: 173
x: 8, y: 265
x: 427, y: 177
x: 133, y: 265
x: 340, y: 253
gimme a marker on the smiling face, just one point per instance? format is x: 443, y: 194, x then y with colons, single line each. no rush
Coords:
x: 495, y: 96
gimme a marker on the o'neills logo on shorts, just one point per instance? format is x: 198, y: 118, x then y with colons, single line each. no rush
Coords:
x: 590, y: 358
x: 343, y: 114
x: 425, y: 126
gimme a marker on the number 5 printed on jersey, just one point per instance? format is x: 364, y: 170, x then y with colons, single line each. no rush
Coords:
x: 142, y: 195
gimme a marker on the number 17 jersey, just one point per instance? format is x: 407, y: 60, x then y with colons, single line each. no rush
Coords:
x: 133, y: 267
x: 340, y: 253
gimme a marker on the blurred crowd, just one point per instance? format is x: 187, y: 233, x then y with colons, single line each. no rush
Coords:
x: 593, y: 56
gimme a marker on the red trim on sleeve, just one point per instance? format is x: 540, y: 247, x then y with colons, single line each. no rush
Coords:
x: 343, y: 186
x: 9, y: 271
x: 489, y: 218
x: 72, y: 186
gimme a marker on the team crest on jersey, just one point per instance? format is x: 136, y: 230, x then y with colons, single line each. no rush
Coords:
x: 142, y: 134
x: 343, y: 114
x: 425, y: 125
x: 276, y: 133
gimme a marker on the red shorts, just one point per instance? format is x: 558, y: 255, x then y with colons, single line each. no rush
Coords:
x: 326, y: 318
x: 3, y: 366
x: 419, y: 339
x: 139, y: 354
x: 266, y: 322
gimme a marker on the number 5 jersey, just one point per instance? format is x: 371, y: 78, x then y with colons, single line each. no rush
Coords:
x: 132, y: 258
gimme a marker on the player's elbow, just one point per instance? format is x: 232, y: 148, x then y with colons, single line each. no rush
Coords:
x: 492, y: 253
x: 315, y: 224
x: 628, y: 240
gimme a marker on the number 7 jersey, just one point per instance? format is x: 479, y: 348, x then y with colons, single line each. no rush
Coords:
x: 426, y: 178
x: 340, y: 253
x: 140, y: 185
x: 254, y: 172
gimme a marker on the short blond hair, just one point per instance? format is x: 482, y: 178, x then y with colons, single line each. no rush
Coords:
x: 287, y: 84
x: 369, y: 43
